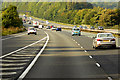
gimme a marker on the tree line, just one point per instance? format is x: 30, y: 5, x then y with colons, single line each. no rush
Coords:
x: 71, y: 12
x: 10, y: 17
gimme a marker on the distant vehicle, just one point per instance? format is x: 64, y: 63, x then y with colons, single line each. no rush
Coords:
x: 85, y: 27
x: 30, y: 18
x: 104, y: 40
x: 76, y: 31
x: 24, y: 21
x: 40, y: 27
x: 35, y: 24
x: 47, y: 22
x: 47, y: 27
x: 32, y: 30
x: 75, y: 27
x: 81, y: 27
x: 53, y: 28
x: 92, y: 27
x: 29, y: 22
x: 58, y: 29
x: 100, y: 28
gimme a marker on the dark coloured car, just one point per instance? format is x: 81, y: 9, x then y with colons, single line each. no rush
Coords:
x: 92, y: 27
x: 100, y: 28
x: 58, y: 29
x: 48, y: 27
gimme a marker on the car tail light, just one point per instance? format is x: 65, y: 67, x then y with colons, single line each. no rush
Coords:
x: 99, y: 40
x: 112, y: 39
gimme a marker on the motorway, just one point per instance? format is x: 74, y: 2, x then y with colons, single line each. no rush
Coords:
x: 66, y: 56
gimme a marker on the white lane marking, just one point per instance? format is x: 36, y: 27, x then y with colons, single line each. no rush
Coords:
x: 73, y: 40
x: 85, y: 51
x: 12, y: 64
x: 81, y: 47
x: 90, y: 56
x: 78, y: 44
x: 98, y: 64
x: 7, y: 73
x: 33, y: 62
x: 12, y: 37
x: 22, y: 48
x: 109, y: 78
x: 11, y: 68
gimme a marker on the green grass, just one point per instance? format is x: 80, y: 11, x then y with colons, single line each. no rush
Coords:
x: 12, y: 30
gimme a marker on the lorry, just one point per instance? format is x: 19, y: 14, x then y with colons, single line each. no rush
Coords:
x: 35, y: 24
x: 40, y: 26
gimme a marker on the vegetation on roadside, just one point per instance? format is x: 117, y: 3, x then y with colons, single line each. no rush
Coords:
x: 11, y: 23
x: 76, y: 13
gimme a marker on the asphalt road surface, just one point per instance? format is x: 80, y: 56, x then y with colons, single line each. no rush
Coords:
x: 17, y: 41
x: 66, y: 56
x: 73, y: 57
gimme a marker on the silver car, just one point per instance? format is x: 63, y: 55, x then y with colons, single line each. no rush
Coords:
x: 104, y: 40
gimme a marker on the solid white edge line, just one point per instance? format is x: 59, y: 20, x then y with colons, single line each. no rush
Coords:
x: 109, y: 78
x: 33, y: 62
x: 98, y: 64
x: 90, y: 56
x: 12, y: 37
x: 21, y: 48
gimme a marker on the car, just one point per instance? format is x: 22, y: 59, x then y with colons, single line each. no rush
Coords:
x: 53, y: 28
x: 76, y: 31
x: 100, y: 28
x: 104, y: 40
x: 85, y: 27
x: 81, y: 27
x: 47, y: 27
x: 92, y: 27
x: 29, y: 22
x: 58, y: 29
x: 32, y: 30
x: 75, y: 26
x: 24, y: 21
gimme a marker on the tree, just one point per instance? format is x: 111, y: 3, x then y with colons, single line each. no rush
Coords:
x: 10, y: 17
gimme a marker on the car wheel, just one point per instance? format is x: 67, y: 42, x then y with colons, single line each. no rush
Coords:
x: 114, y: 46
x: 79, y: 34
x: 72, y: 35
x: 96, y: 47
x: 28, y: 34
x: 35, y: 33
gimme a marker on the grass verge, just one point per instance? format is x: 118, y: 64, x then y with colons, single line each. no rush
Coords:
x: 12, y: 30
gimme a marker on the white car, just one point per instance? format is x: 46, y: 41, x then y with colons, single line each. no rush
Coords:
x: 32, y: 30
x: 104, y: 40
x: 53, y: 28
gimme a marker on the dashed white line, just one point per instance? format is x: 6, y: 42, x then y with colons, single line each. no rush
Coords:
x: 98, y: 64
x: 81, y: 47
x: 22, y: 48
x: 90, y: 56
x: 34, y: 60
x: 78, y: 44
x: 109, y: 78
